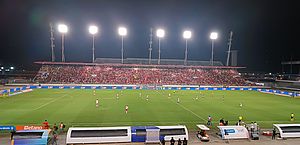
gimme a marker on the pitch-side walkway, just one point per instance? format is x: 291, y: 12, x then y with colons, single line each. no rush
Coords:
x: 193, y: 140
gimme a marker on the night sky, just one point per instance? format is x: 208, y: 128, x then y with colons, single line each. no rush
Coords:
x: 266, y: 32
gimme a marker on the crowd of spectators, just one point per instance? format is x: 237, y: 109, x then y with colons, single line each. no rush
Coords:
x: 132, y: 75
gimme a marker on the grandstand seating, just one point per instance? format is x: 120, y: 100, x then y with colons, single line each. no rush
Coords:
x: 110, y: 74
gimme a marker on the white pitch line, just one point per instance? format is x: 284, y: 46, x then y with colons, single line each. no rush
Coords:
x: 49, y: 102
x: 187, y: 109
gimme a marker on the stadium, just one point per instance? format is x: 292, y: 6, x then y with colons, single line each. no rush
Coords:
x: 156, y: 95
x: 133, y: 99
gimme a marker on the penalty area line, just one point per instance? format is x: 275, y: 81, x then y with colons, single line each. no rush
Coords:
x: 49, y: 102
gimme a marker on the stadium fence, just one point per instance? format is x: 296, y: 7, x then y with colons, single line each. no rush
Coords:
x: 26, y: 87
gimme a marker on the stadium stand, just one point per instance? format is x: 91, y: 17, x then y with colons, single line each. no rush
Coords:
x: 138, y: 74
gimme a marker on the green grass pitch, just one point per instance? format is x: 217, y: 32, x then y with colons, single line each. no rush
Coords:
x: 77, y: 107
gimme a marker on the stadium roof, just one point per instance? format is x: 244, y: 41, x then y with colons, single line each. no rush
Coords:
x: 133, y: 65
x: 290, y: 62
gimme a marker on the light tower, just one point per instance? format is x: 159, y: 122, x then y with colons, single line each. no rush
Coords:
x: 160, y: 33
x: 93, y: 30
x: 150, y: 45
x: 186, y: 35
x: 122, y: 32
x: 63, y: 29
x: 213, y: 36
x: 229, y: 48
x: 52, y: 42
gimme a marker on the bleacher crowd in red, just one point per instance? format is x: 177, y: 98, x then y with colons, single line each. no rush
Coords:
x: 110, y: 74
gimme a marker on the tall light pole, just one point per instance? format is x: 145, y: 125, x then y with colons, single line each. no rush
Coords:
x: 93, y: 30
x: 150, y: 45
x: 63, y: 29
x: 160, y: 33
x: 213, y: 36
x: 229, y: 48
x: 52, y: 42
x: 186, y: 35
x: 122, y: 32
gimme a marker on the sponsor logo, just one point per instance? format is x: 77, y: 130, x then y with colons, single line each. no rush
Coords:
x: 227, y: 131
x: 30, y: 127
x: 7, y: 128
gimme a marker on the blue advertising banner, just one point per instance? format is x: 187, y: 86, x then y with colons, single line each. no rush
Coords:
x: 277, y: 92
x: 7, y: 128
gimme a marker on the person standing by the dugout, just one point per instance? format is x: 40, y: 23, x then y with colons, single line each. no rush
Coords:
x: 163, y: 142
x: 273, y: 133
x: 240, y: 118
x: 292, y: 116
x: 55, y: 137
x: 46, y: 124
x: 61, y: 127
x: 184, y: 142
x: 172, y: 141
x: 209, y: 121
x: 179, y: 142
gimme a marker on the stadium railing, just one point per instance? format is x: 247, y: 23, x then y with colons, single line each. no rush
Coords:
x: 145, y: 87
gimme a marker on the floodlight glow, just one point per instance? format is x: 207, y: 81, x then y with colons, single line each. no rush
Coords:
x: 187, y: 34
x: 62, y: 28
x: 2, y: 67
x: 12, y: 68
x: 93, y: 30
x: 214, y: 35
x: 122, y: 31
x: 160, y: 33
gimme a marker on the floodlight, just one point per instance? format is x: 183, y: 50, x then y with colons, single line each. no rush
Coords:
x: 122, y: 31
x: 12, y: 68
x: 187, y: 34
x: 93, y: 30
x: 2, y: 67
x: 213, y: 35
x: 160, y: 33
x: 62, y: 28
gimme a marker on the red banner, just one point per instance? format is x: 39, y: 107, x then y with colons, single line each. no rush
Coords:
x: 29, y: 127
